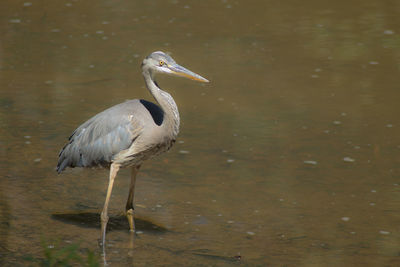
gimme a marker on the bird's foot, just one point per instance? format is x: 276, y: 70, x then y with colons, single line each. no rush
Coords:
x: 104, y: 221
x: 131, y: 220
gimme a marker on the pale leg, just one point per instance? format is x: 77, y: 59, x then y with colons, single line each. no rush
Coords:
x: 129, y: 204
x: 104, y: 217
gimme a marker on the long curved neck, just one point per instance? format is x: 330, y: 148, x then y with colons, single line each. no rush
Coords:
x: 166, y: 102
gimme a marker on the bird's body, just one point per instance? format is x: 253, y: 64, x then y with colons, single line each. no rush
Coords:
x: 135, y: 130
x: 128, y: 133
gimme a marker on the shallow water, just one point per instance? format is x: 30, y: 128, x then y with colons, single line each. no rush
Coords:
x: 289, y: 157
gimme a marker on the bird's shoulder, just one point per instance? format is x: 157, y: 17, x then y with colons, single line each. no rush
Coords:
x: 121, y: 118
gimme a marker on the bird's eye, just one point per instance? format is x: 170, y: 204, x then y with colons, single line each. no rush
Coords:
x: 161, y: 63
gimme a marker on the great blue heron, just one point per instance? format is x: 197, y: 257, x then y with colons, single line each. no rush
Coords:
x: 128, y: 133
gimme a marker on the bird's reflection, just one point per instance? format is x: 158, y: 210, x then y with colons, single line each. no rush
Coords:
x: 91, y: 219
x: 118, y: 222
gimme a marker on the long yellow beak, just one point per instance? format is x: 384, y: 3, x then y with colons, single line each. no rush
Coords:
x: 183, y: 72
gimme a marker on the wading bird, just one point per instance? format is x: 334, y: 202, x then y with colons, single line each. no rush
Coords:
x: 129, y: 133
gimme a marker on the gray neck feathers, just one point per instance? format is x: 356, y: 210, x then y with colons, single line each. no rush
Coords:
x: 166, y: 102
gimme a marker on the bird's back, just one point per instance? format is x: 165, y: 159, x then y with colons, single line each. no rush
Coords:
x: 99, y: 139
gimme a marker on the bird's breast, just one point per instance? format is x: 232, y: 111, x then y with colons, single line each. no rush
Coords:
x: 142, y: 150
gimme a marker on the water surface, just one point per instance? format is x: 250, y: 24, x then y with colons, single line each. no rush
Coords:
x: 289, y: 157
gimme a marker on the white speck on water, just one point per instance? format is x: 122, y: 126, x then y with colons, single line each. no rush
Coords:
x: 327, y: 131
x: 183, y: 152
x: 219, y: 215
x: 343, y: 114
x: 396, y: 184
x: 348, y: 159
x: 55, y: 30
x: 314, y: 76
x: 281, y: 200
x: 28, y: 142
x: 136, y: 55
x: 104, y: 38
x: 158, y: 206
x: 373, y: 191
x: 186, y: 222
x: 15, y: 21
x: 337, y: 122
x: 91, y: 66
x: 27, y: 4
x: 353, y: 233
x: 214, y: 200
x: 317, y: 70
x: 345, y: 219
x: 250, y: 233
x: 389, y: 125
x: 373, y: 62
x: 372, y: 204
x: 37, y: 160
x: 230, y: 221
x: 388, y: 32
x: 221, y: 99
x: 27, y: 136
x: 99, y: 32
x: 230, y: 160
x: 50, y: 246
x: 312, y: 162
x: 356, y: 147
x: 105, y: 22
x: 139, y: 232
x: 384, y: 232
x: 181, y: 142
x: 186, y: 6
x: 188, y: 202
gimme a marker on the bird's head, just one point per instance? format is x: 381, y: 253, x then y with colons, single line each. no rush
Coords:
x: 160, y: 62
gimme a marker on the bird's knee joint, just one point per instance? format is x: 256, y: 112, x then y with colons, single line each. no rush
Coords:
x: 130, y: 212
x: 104, y: 218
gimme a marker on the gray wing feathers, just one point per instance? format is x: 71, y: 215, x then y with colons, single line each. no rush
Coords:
x: 99, y: 139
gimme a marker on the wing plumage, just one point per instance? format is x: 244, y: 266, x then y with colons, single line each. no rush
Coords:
x: 99, y: 139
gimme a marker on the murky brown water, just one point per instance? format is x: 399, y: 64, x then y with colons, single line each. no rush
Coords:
x: 289, y: 157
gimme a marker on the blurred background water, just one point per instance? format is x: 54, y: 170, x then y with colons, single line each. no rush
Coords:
x: 289, y: 157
